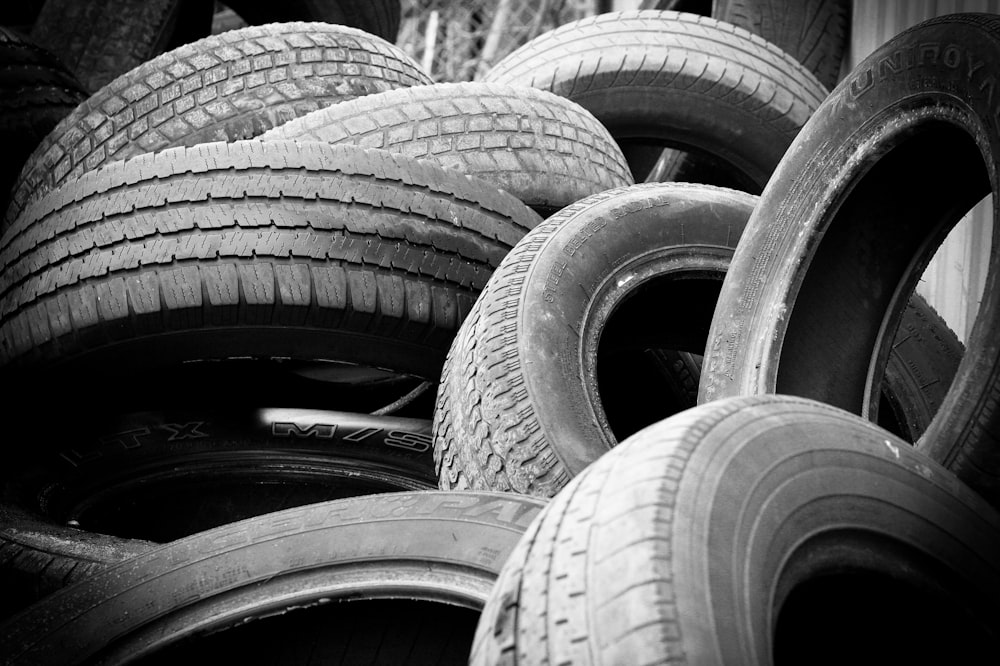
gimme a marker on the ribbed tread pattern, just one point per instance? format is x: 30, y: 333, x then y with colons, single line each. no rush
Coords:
x: 814, y: 32
x: 102, y: 39
x: 661, y: 48
x: 544, y: 149
x: 332, y: 238
x: 226, y: 87
x: 600, y: 549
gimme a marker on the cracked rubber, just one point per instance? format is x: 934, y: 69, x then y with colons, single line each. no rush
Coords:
x: 542, y: 148
x: 444, y: 549
x: 36, y: 92
x: 232, y: 86
x: 251, y: 250
x: 685, y: 543
x: 552, y: 366
x: 658, y: 79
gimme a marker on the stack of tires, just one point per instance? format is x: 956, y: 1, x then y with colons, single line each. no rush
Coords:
x: 313, y: 360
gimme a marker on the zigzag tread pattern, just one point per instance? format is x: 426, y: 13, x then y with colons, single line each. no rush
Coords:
x: 543, y: 148
x: 231, y: 86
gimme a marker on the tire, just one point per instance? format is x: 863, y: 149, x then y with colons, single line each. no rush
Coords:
x: 378, y: 17
x: 573, y: 344
x: 38, y: 557
x: 36, y: 92
x: 814, y: 32
x: 160, y: 476
x: 712, y: 534
x: 100, y: 40
x: 250, y: 250
x: 440, y: 549
x: 543, y: 149
x: 837, y: 278
x: 222, y: 88
x: 660, y: 79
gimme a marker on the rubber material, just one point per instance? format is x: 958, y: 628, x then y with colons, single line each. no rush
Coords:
x: 38, y: 557
x: 669, y: 79
x: 814, y: 32
x: 433, y: 546
x: 252, y: 249
x: 101, y: 39
x: 687, y: 542
x: 542, y: 148
x: 855, y: 212
x: 226, y: 87
x: 573, y: 344
x: 36, y: 92
x: 378, y: 17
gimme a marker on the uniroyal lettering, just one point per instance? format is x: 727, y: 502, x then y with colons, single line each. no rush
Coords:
x: 927, y: 54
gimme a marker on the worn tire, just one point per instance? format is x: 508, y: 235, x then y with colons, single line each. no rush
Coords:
x: 378, y: 17
x: 542, y: 148
x: 669, y: 79
x: 36, y: 92
x: 814, y: 32
x: 232, y: 86
x: 817, y: 289
x: 99, y: 40
x: 38, y: 557
x: 690, y: 540
x: 441, y: 548
x: 254, y: 250
x: 572, y: 345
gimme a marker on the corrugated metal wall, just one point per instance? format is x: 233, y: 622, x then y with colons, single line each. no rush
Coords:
x: 954, y: 281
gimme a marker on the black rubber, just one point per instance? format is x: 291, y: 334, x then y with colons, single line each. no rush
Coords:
x: 845, y: 228
x: 814, y: 32
x: 378, y: 17
x: 251, y: 250
x: 226, y: 87
x: 678, y: 80
x: 99, y: 40
x: 38, y: 557
x: 71, y: 505
x: 437, y: 548
x: 573, y: 345
x: 753, y: 531
x: 36, y: 92
x: 542, y: 148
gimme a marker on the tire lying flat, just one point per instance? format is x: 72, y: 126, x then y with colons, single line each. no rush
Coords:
x: 128, y: 483
x: 681, y: 80
x: 552, y: 366
x: 853, y: 214
x: 440, y: 548
x: 542, y: 148
x: 252, y: 249
x: 222, y: 88
x: 691, y: 538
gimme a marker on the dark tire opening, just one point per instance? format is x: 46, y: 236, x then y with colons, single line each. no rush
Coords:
x: 869, y: 618
x: 379, y: 631
x: 870, y: 258
x: 647, y: 364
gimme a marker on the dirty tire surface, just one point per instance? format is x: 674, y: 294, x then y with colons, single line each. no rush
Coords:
x: 542, y: 148
x: 227, y: 87
x: 256, y: 249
